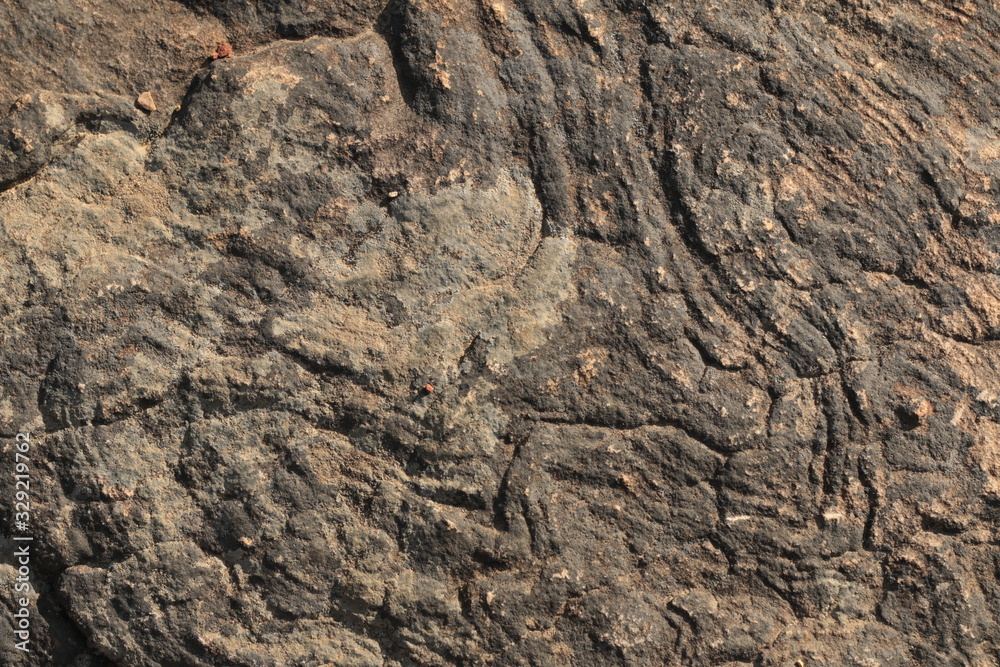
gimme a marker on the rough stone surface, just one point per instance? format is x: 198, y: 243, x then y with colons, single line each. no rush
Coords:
x: 708, y: 296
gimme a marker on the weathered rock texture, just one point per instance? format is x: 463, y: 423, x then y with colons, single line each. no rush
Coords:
x: 706, y: 294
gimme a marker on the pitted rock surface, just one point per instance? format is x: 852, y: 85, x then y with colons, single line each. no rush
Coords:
x: 504, y: 333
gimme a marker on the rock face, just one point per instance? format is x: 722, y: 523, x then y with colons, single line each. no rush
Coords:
x: 706, y: 294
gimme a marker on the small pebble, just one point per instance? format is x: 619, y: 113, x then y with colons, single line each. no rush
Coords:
x: 145, y: 102
x: 428, y: 387
x: 223, y: 50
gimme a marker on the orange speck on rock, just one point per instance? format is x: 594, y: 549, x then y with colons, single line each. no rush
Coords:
x: 428, y: 387
x: 223, y: 50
